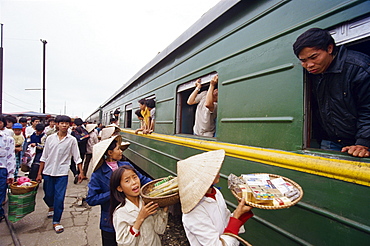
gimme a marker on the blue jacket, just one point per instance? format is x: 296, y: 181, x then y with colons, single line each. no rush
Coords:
x: 99, y: 193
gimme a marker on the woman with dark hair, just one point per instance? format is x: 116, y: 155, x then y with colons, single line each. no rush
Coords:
x: 106, y: 159
x: 134, y: 222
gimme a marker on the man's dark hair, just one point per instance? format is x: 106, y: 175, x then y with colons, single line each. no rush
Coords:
x: 11, y: 118
x: 23, y: 120
x: 138, y: 113
x: 150, y: 103
x: 62, y: 118
x: 78, y: 121
x: 34, y: 118
x: 2, y: 118
x: 40, y: 127
x: 142, y: 101
x: 313, y: 38
x: 112, y: 120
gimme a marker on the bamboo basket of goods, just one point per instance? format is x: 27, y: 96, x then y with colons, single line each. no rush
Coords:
x: 163, y: 191
x: 265, y: 191
x: 15, y: 189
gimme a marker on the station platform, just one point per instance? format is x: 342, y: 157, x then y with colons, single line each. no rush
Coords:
x: 80, y: 221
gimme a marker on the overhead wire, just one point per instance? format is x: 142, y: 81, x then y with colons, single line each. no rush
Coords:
x: 15, y: 104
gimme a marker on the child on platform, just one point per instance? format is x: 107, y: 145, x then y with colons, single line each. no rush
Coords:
x: 106, y: 159
x: 18, y: 141
x: 134, y: 222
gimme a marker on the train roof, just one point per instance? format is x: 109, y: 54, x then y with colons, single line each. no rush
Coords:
x: 207, y: 18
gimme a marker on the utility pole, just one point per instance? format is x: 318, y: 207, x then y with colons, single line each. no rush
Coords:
x: 43, y: 77
x: 1, y: 70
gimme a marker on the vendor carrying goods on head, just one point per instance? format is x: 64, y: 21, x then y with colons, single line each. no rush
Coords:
x: 265, y: 191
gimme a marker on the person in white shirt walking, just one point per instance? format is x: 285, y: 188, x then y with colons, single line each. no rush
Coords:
x: 59, y: 148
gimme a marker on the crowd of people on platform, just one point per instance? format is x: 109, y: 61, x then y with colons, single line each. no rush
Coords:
x: 114, y: 184
x: 83, y: 148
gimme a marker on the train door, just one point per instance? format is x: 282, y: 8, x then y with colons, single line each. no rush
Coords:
x: 185, y: 114
x: 355, y: 35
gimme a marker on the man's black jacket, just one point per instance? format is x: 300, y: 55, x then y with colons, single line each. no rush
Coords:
x: 342, y: 98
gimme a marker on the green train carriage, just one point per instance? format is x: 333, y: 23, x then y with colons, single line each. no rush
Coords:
x: 263, y: 114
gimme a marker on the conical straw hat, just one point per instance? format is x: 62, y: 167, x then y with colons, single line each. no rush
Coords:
x: 196, y: 175
x: 108, y: 131
x: 100, y: 148
x: 90, y: 127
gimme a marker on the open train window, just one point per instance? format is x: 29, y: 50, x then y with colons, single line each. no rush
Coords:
x: 128, y: 116
x: 355, y: 35
x: 185, y: 117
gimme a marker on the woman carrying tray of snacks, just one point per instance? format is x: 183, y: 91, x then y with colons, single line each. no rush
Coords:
x: 205, y: 215
x: 135, y: 223
x: 106, y: 159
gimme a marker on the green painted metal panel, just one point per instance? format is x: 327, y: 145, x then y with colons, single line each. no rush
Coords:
x: 330, y: 213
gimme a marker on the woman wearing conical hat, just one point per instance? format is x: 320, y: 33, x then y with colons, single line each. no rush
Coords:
x: 106, y: 159
x: 205, y: 215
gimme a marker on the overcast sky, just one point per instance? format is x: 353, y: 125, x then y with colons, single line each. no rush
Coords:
x: 93, y: 48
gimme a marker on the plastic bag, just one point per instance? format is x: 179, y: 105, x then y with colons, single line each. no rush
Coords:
x: 29, y: 155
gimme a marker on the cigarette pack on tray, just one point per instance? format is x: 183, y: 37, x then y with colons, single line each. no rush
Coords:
x: 268, y: 191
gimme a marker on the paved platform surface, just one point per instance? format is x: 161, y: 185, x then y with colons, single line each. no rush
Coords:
x: 81, y: 222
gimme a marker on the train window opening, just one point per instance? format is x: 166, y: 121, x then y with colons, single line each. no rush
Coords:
x: 151, y: 101
x: 354, y: 35
x: 127, y: 116
x: 185, y: 118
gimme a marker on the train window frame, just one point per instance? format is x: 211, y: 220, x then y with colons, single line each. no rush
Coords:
x: 127, y: 117
x: 185, y: 114
x: 354, y: 35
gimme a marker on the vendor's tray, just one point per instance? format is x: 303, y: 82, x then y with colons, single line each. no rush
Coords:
x: 266, y: 191
x: 168, y: 185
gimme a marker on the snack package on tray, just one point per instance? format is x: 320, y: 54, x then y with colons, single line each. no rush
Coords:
x: 260, y: 189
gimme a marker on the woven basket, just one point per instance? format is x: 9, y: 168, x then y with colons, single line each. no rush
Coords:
x: 162, y: 201
x: 239, y: 238
x: 15, y: 190
x: 261, y: 206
